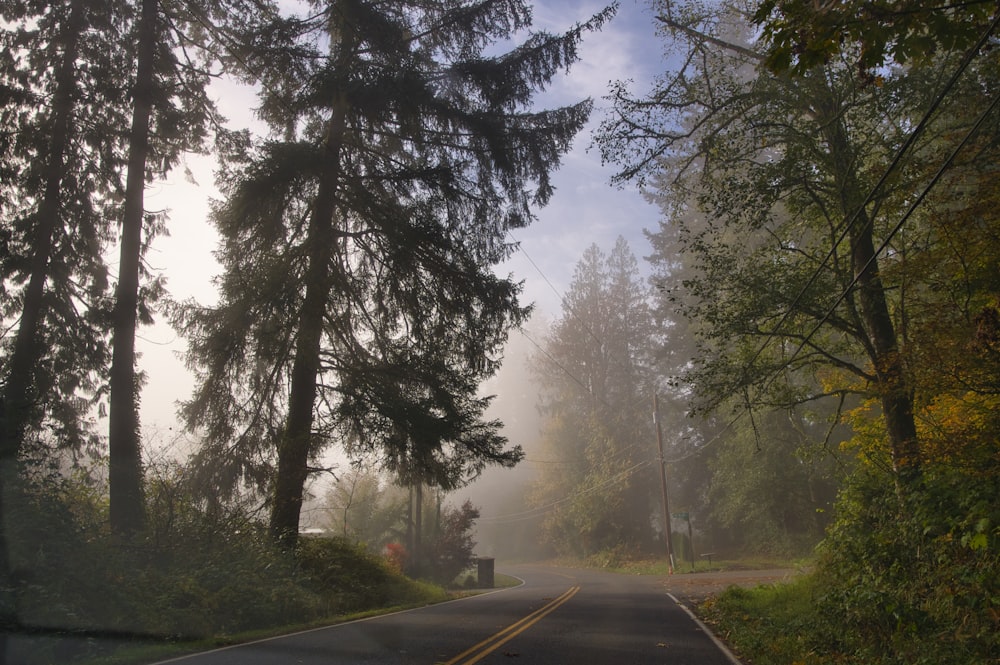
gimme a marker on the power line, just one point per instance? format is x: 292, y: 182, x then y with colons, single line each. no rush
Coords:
x: 913, y: 206
x: 538, y: 511
x: 911, y: 139
x: 555, y: 362
x: 919, y: 129
x: 566, y: 306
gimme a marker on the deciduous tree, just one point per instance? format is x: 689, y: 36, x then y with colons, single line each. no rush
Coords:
x: 775, y: 207
x: 800, y: 34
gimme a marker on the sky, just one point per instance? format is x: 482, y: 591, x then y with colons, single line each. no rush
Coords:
x: 585, y: 209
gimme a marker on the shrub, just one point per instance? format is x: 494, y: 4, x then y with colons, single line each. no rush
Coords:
x: 200, y: 569
x: 451, y: 552
x: 917, y: 583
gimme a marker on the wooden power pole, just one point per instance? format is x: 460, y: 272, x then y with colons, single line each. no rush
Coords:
x: 663, y: 486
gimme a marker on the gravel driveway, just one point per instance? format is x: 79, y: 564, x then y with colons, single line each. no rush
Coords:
x: 695, y: 587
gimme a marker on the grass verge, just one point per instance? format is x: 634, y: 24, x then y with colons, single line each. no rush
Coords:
x: 773, y: 624
x: 149, y: 651
x: 420, y: 594
x: 659, y: 566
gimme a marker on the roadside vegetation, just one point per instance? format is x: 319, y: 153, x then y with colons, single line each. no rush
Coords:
x: 199, y: 576
x: 925, y: 592
x: 356, y: 307
x: 819, y: 342
x: 810, y: 370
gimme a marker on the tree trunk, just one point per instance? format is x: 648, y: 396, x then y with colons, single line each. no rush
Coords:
x: 417, y: 560
x: 895, y: 392
x: 296, y: 442
x: 17, y: 401
x: 18, y: 396
x: 125, y: 479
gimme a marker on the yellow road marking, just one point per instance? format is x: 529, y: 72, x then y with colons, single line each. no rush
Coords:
x: 494, y: 642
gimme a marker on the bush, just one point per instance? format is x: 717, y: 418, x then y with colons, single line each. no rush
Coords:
x: 918, y: 583
x: 347, y: 575
x: 451, y: 551
x: 199, y: 570
x: 914, y: 584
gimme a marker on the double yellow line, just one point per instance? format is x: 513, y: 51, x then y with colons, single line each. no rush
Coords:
x: 476, y: 653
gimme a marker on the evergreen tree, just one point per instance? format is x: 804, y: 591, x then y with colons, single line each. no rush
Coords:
x: 596, y: 384
x: 172, y: 53
x: 59, y: 80
x: 77, y: 74
x: 356, y: 299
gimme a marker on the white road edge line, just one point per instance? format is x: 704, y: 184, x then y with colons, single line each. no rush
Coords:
x: 722, y: 647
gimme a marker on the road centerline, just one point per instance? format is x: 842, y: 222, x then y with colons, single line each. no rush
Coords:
x: 479, y: 651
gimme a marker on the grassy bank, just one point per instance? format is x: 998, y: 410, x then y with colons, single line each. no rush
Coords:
x: 802, y: 622
x: 412, y: 594
x: 141, y: 651
x: 772, y: 624
x: 80, y: 594
x: 160, y: 608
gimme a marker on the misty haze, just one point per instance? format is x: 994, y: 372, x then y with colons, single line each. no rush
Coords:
x: 461, y: 331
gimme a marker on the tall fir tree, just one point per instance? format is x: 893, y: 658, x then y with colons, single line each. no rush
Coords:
x: 59, y: 81
x: 597, y: 386
x: 357, y: 302
x: 76, y: 76
x: 175, y: 48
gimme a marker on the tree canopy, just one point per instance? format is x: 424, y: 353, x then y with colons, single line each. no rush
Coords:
x: 800, y: 34
x: 597, y: 384
x: 783, y: 198
x: 357, y: 304
x: 822, y: 243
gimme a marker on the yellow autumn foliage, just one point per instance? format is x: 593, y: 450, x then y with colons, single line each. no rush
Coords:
x: 960, y: 429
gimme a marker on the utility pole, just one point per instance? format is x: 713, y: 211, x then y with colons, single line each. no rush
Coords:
x: 663, y: 486
x: 418, y: 529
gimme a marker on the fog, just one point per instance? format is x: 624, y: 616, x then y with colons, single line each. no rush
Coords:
x: 507, y: 526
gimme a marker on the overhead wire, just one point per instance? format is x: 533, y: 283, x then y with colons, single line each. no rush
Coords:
x: 562, y: 367
x: 897, y: 158
x: 885, y: 242
x: 899, y: 225
x: 538, y: 511
x: 566, y: 306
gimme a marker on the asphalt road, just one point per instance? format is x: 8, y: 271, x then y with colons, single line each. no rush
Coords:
x: 558, y: 615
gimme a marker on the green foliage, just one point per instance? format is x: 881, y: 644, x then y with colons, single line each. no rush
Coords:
x: 61, y: 87
x: 363, y: 506
x: 928, y: 585
x: 917, y: 586
x: 450, y: 551
x: 197, y: 571
x: 349, y: 577
x: 773, y: 484
x: 357, y: 302
x: 596, y: 377
x: 808, y: 272
x: 801, y: 34
x: 774, y: 624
